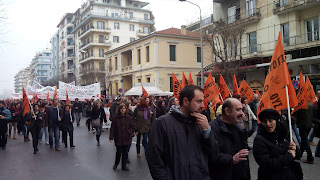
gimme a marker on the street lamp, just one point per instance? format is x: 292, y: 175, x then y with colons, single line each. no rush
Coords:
x: 201, y: 58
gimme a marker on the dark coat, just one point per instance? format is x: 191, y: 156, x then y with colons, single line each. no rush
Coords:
x: 77, y: 107
x: 37, y: 122
x: 177, y: 149
x: 49, y: 113
x: 223, y: 168
x: 99, y: 112
x: 142, y: 125
x: 253, y: 107
x: 270, y: 151
x: 67, y: 121
x: 160, y: 111
x: 305, y: 117
x: 113, y: 109
x: 121, y: 130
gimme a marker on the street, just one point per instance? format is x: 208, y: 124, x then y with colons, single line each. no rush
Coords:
x: 88, y: 161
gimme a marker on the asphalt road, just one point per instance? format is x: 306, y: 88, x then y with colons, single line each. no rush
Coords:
x: 89, y: 162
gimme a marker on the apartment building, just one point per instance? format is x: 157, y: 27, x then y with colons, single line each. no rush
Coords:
x: 66, y: 48
x: 153, y: 58
x: 41, y: 66
x: 22, y: 79
x: 102, y: 25
x: 262, y: 20
x: 55, y: 55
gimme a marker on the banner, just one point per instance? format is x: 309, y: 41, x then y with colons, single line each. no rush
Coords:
x: 210, y: 90
x: 81, y: 92
x: 246, y: 91
x: 176, y: 86
x: 16, y: 96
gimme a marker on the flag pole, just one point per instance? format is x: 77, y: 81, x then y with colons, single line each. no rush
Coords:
x: 289, y: 114
x: 221, y: 97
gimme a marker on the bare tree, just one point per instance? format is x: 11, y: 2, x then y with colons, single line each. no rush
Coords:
x: 225, y: 42
x: 108, y: 79
x: 52, y: 82
x: 3, y: 23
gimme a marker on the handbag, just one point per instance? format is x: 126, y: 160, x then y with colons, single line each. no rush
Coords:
x: 96, y: 122
x: 297, y: 170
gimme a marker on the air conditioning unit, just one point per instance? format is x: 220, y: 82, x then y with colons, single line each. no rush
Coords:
x: 106, y: 37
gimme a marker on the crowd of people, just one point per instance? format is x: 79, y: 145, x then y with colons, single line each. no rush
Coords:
x: 180, y: 138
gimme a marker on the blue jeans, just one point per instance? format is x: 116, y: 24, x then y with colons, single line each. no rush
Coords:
x: 317, y: 153
x: 311, y: 136
x: 296, y: 132
x: 253, y: 129
x: 46, y: 134
x: 25, y: 131
x: 144, y: 142
x: 56, y: 132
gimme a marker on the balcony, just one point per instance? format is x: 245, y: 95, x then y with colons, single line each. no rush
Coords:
x: 243, y: 17
x: 303, y: 40
x: 93, y: 29
x: 141, y: 33
x: 89, y: 58
x: 284, y: 6
x: 84, y: 71
x: 126, y: 69
x: 91, y: 43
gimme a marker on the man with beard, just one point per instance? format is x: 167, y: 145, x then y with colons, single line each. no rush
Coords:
x: 254, y: 107
x: 232, y: 160
x: 181, y: 142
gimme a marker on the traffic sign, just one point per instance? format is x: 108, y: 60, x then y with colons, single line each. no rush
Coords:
x: 120, y: 90
x: 295, y: 84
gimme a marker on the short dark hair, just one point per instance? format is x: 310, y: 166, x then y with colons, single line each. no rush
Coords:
x: 237, y: 96
x: 188, y: 92
x: 226, y: 104
x: 2, y: 102
x: 243, y: 98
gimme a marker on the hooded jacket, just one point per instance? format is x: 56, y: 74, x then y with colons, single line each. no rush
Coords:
x: 270, y: 151
x: 178, y: 149
x: 7, y: 114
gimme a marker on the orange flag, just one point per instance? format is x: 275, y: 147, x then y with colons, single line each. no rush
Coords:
x: 48, y: 99
x: 67, y: 98
x: 301, y: 95
x: 224, y: 91
x: 274, y: 92
x: 245, y: 90
x: 311, y: 94
x: 176, y: 86
x: 144, y: 93
x: 210, y: 90
x: 25, y: 103
x: 33, y: 97
x: 257, y: 92
x: 215, y: 101
x: 190, y: 81
x: 55, y: 94
x: 235, y: 85
x: 37, y: 99
x: 184, y: 80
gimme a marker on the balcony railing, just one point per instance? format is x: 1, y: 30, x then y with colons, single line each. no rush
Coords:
x: 282, y: 6
x: 106, y: 29
x: 84, y: 71
x: 301, y: 39
x: 126, y: 69
x: 244, y: 15
x: 96, y: 42
x: 87, y: 57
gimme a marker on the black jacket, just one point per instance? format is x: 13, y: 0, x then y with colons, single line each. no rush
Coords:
x: 77, y: 107
x: 113, y: 109
x: 67, y: 120
x: 223, y: 168
x: 253, y: 107
x: 99, y: 112
x: 177, y: 149
x: 270, y: 151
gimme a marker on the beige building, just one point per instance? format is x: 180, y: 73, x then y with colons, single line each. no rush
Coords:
x: 102, y: 25
x: 262, y: 20
x: 153, y: 58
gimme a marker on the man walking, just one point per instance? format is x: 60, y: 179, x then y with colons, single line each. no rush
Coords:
x: 5, y: 117
x: 232, y: 162
x: 77, y: 109
x: 181, y: 142
x: 54, y: 114
x: 254, y: 107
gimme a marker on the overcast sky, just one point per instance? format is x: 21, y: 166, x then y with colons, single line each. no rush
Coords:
x: 30, y: 24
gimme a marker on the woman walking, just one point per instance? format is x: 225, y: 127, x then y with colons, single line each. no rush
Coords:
x: 161, y: 108
x: 172, y: 101
x: 67, y: 126
x: 122, y: 128
x: 35, y: 126
x: 98, y: 117
x: 248, y: 115
x: 142, y: 117
x: 14, y: 120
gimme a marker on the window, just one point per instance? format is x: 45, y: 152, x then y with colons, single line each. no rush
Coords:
x: 101, y: 25
x: 171, y: 87
x: 252, y: 37
x: 114, y: 14
x: 116, y: 39
x: 110, y: 65
x: 101, y: 52
x: 285, y: 34
x: 250, y: 7
x: 116, y: 63
x: 91, y: 52
x: 101, y: 66
x: 101, y: 38
x: 146, y: 16
x: 199, y: 81
x: 131, y: 15
x: 79, y: 34
x: 232, y: 48
x: 172, y: 49
x: 132, y: 39
x: 147, y: 54
x: 139, y: 56
x: 139, y: 80
x: 131, y: 27
x: 116, y: 25
x: 135, y: 4
x: 231, y: 14
x: 148, y: 79
x: 146, y: 29
x: 312, y: 28
x: 117, y: 88
x: 283, y: 3
x: 198, y: 54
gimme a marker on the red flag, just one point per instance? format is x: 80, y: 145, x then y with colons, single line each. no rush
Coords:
x: 55, y: 94
x: 190, y: 81
x: 210, y: 90
x: 37, y: 99
x: 257, y: 92
x: 235, y: 85
x: 245, y: 90
x: 144, y: 93
x: 48, y: 99
x: 224, y: 91
x: 67, y: 98
x: 311, y: 94
x: 184, y: 80
x: 176, y: 86
x: 25, y: 103
x: 33, y: 97
x: 274, y: 91
x: 301, y: 95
